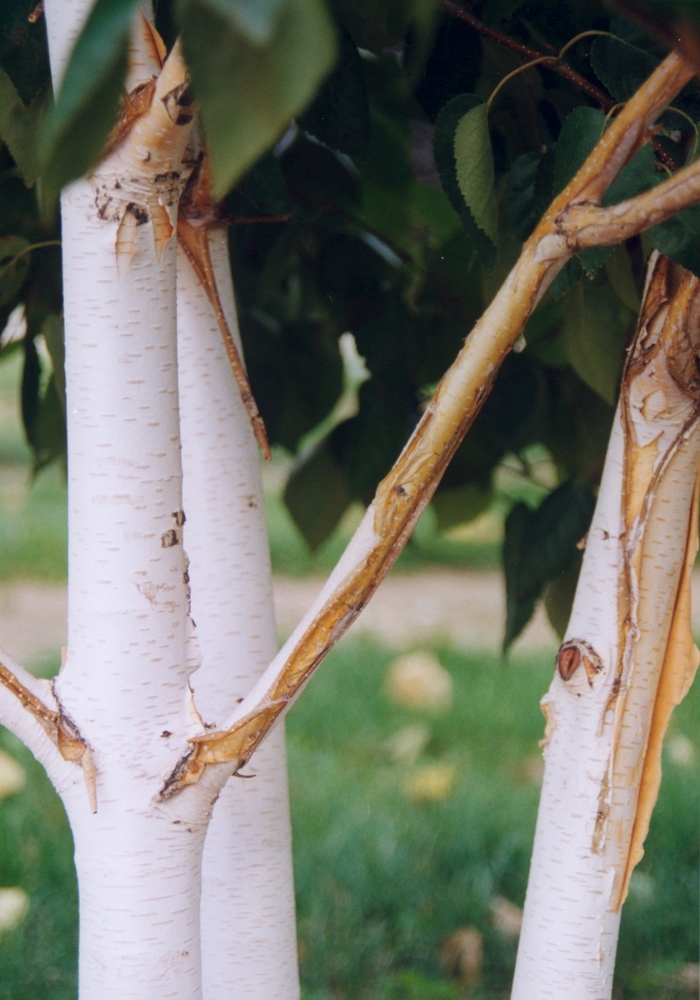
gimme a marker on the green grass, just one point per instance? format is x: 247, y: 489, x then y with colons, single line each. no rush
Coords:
x: 381, y: 880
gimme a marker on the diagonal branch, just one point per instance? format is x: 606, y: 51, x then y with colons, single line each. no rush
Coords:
x: 403, y: 495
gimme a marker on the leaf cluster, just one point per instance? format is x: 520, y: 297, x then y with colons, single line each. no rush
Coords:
x: 379, y: 181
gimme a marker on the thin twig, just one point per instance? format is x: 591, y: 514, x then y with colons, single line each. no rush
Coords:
x: 554, y: 63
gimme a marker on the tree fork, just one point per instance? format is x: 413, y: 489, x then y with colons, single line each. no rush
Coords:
x: 403, y: 495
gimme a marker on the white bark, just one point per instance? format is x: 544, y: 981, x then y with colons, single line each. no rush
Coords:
x: 630, y: 659
x: 125, y: 680
x: 248, y: 924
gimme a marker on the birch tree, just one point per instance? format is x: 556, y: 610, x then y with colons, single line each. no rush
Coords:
x: 184, y: 872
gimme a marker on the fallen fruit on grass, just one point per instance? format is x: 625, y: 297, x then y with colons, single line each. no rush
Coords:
x: 462, y: 954
x: 419, y: 681
x: 14, y: 904
x: 431, y: 783
x: 507, y: 917
x: 12, y: 776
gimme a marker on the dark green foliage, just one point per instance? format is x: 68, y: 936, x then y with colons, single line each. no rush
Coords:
x: 445, y: 128
x: 406, y: 206
x: 529, y: 191
x: 253, y: 67
x: 678, y: 238
x: 339, y: 116
x: 452, y: 67
x: 621, y: 66
x: 580, y: 132
x: 24, y: 52
x: 538, y: 546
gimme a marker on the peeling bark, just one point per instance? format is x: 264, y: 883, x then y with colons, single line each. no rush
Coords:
x: 406, y: 491
x: 605, y: 724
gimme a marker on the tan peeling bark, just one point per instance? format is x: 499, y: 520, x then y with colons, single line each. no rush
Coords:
x: 141, y: 178
x: 196, y: 217
x: 626, y: 660
x: 677, y: 674
x: 59, y: 727
x: 403, y: 495
x: 661, y: 408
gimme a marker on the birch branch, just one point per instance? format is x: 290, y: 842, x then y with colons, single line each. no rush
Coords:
x: 403, y: 495
x: 31, y: 711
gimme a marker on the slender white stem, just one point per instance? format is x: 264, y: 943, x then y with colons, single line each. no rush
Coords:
x: 125, y: 680
x: 248, y: 925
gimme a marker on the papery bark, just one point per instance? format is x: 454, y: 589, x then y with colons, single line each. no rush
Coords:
x: 248, y: 920
x: 627, y: 658
x: 125, y: 679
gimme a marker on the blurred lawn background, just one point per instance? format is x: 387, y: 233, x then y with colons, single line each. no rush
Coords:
x: 386, y: 871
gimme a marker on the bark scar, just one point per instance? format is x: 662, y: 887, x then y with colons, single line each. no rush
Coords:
x: 575, y: 652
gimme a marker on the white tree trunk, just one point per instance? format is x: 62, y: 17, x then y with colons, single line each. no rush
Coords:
x: 248, y: 922
x: 627, y: 658
x: 125, y: 680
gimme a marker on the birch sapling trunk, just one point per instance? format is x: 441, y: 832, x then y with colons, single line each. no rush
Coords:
x: 248, y: 920
x: 627, y: 659
x: 125, y: 682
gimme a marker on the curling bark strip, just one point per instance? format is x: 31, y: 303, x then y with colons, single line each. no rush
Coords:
x: 197, y: 217
x: 403, y: 495
x: 631, y: 622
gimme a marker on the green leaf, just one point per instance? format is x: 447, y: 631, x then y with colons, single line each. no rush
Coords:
x: 460, y: 505
x: 529, y: 191
x: 444, y: 150
x: 621, y: 67
x: 679, y: 238
x: 52, y: 330
x: 559, y: 596
x: 255, y: 18
x: 29, y: 392
x: 475, y: 173
x: 13, y: 268
x: 339, y: 116
x: 373, y: 25
x: 264, y: 186
x: 579, y: 134
x: 317, y: 495
x: 594, y: 335
x: 248, y: 92
x: 19, y: 125
x: 77, y: 127
x: 566, y: 279
x: 638, y: 175
x: 49, y: 434
x: 24, y: 52
x: 538, y: 546
x: 620, y: 275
